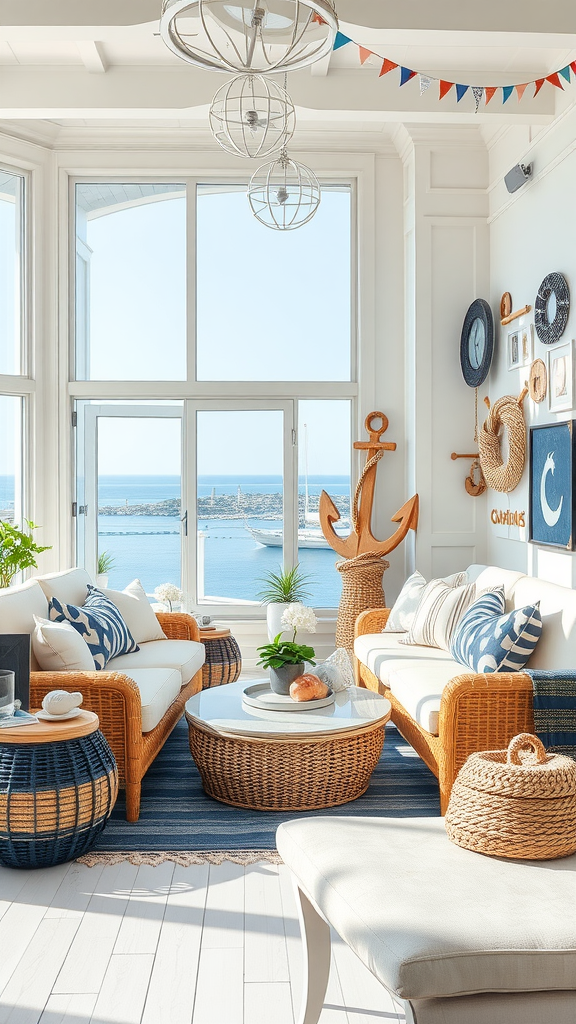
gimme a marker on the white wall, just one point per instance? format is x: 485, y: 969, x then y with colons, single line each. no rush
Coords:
x: 531, y: 234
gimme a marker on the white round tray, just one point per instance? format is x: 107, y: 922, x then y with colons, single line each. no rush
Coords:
x: 259, y: 695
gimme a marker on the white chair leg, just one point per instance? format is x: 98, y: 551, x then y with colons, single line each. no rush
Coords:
x: 316, y: 954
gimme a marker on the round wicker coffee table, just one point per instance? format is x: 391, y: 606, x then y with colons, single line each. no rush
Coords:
x: 285, y: 761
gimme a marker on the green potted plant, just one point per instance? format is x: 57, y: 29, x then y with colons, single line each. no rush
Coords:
x: 285, y: 659
x: 106, y: 562
x: 282, y: 588
x: 17, y: 550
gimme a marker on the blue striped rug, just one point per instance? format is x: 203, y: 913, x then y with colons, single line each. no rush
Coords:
x: 177, y: 815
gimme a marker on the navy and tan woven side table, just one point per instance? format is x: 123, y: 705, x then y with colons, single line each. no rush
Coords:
x: 223, y: 658
x: 58, y: 785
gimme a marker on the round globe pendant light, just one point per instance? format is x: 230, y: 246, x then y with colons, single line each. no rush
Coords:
x: 284, y: 194
x: 252, y: 117
x: 249, y: 35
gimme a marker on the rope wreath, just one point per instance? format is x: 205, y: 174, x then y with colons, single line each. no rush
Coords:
x: 506, y: 412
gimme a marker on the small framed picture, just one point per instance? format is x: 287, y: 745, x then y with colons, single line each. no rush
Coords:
x: 514, y: 350
x: 552, y: 496
x: 526, y: 344
x: 561, y: 378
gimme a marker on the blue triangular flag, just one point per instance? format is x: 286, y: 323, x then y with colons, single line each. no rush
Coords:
x: 460, y: 91
x: 341, y: 40
x: 405, y: 75
x: 507, y: 91
x: 565, y: 72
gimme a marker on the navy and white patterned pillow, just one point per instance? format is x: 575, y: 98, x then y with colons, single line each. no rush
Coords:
x: 486, y: 640
x: 99, y: 623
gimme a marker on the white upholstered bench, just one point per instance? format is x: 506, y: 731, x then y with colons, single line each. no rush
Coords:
x: 460, y: 938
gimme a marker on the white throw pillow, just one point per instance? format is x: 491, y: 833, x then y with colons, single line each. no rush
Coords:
x: 58, y: 647
x: 438, y: 614
x: 137, y: 612
x: 404, y: 609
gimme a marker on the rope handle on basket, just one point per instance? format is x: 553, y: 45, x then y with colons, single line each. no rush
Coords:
x: 521, y: 742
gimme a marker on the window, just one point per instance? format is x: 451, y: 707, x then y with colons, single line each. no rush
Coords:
x: 11, y: 272
x: 211, y: 482
x: 11, y: 451
x: 130, y: 282
x: 272, y: 305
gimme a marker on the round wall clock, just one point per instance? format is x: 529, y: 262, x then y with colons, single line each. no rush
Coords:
x: 538, y: 381
x: 477, y: 343
x: 551, y: 308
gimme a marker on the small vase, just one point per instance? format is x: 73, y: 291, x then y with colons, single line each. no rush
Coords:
x: 102, y: 579
x: 274, y: 613
x: 281, y: 678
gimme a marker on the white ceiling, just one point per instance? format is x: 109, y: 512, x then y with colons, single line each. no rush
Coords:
x: 78, y: 62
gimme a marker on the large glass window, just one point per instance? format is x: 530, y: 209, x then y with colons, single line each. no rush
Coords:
x: 130, y: 282
x: 11, y: 452
x: 11, y: 271
x: 272, y: 305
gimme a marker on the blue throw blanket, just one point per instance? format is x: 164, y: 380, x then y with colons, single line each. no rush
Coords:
x: 555, y: 709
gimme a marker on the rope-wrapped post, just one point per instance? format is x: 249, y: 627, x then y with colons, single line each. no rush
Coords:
x: 361, y: 589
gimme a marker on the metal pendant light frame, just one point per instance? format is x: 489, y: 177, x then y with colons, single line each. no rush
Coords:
x: 252, y: 55
x: 284, y: 194
x: 251, y: 116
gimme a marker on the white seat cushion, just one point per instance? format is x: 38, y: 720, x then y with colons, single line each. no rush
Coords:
x: 68, y: 587
x: 376, y: 649
x: 430, y: 919
x: 185, y: 655
x: 158, y: 688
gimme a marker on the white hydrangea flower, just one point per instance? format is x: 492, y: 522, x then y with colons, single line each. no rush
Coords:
x: 299, y: 617
x: 168, y: 593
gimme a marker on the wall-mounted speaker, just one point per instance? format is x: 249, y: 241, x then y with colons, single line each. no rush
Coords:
x: 517, y: 177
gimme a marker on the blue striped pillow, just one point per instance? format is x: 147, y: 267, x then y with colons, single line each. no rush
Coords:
x: 99, y: 623
x: 486, y: 640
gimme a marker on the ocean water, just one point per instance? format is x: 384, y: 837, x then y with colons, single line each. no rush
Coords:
x: 149, y: 547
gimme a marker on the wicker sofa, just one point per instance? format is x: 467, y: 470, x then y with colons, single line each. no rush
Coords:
x: 139, y: 698
x: 446, y: 712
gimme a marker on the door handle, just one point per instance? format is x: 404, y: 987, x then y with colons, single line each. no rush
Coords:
x: 184, y: 521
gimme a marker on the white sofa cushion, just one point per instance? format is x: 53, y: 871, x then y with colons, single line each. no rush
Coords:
x: 186, y: 656
x: 19, y: 605
x: 430, y: 919
x: 406, y: 605
x: 58, y: 647
x: 137, y: 612
x: 439, y: 612
x: 68, y: 587
x: 158, y: 688
x: 420, y: 693
x: 376, y: 650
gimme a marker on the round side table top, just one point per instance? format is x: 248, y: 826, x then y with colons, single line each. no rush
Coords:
x: 223, y: 710
x: 213, y: 634
x: 52, y: 732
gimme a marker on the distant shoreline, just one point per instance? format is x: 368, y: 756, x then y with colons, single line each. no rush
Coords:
x: 224, y: 506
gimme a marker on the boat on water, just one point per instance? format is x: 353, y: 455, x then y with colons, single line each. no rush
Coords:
x: 308, y: 537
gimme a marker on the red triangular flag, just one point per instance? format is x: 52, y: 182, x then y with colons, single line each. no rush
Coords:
x: 554, y: 80
x: 573, y: 66
x: 521, y: 89
x: 445, y: 88
x: 538, y: 83
x: 388, y: 65
x: 318, y: 19
x: 490, y: 90
x: 364, y: 54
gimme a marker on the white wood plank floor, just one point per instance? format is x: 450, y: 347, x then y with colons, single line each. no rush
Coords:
x: 165, y: 945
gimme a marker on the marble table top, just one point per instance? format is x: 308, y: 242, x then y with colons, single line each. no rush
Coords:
x: 222, y: 709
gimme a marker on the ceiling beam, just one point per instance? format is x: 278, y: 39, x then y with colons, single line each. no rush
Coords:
x: 92, y: 55
x: 180, y: 91
x: 554, y: 16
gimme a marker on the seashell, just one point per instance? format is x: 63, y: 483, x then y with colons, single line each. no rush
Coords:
x: 308, y: 687
x: 60, y: 702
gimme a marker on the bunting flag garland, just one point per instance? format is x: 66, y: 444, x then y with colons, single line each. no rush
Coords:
x: 406, y: 75
x: 479, y: 92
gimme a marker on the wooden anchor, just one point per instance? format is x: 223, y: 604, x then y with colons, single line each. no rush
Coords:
x: 361, y: 539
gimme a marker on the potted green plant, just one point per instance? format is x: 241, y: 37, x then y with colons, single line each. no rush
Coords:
x: 285, y: 659
x: 17, y: 550
x: 282, y: 588
x: 106, y: 562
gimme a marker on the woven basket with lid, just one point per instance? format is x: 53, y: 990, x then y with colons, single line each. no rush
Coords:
x: 519, y: 802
